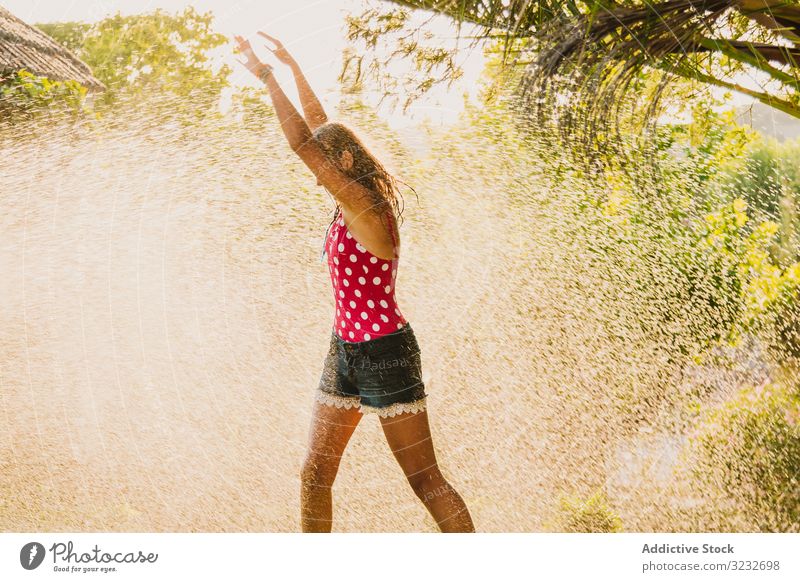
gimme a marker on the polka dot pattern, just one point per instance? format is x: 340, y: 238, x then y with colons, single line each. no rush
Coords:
x: 371, y: 297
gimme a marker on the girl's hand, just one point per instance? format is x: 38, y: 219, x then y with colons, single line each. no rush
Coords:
x: 279, y: 51
x: 252, y: 62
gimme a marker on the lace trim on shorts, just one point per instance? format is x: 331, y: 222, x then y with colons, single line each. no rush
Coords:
x: 336, y: 400
x: 385, y: 411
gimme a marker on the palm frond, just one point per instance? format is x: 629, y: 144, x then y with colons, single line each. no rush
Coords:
x: 586, y: 59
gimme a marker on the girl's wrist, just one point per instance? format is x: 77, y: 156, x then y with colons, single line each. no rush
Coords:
x: 263, y: 71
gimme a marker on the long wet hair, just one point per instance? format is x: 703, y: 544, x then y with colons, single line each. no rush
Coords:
x: 335, y: 138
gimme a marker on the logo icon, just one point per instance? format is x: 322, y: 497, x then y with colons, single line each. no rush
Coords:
x: 31, y: 555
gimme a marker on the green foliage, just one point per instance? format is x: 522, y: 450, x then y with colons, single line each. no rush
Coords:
x: 712, y: 141
x: 760, y: 181
x: 400, y: 36
x: 775, y: 312
x: 699, y: 250
x: 250, y: 106
x: 721, y: 251
x: 592, y: 50
x: 157, y: 58
x: 711, y: 295
x: 24, y: 94
x: 675, y: 258
x: 748, y: 450
x: 153, y: 54
x: 769, y: 182
x: 783, y: 318
x: 592, y: 515
x: 68, y: 34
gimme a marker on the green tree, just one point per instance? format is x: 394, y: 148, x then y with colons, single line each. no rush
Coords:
x: 153, y: 54
x: 23, y: 95
x: 589, y: 68
x: 770, y: 183
x: 747, y: 449
x: 609, y: 41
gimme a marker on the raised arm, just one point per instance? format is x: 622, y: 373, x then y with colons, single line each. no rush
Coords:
x: 350, y: 194
x: 312, y: 108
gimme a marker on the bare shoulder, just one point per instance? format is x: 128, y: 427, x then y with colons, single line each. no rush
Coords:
x: 374, y: 229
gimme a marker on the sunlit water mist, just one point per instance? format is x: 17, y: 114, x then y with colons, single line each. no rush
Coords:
x: 165, y: 316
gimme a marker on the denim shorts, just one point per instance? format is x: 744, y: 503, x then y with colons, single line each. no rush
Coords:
x: 382, y: 375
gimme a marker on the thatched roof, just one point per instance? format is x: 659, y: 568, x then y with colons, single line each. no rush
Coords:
x: 26, y: 47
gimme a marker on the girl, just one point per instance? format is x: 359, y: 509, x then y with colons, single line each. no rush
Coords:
x: 373, y: 361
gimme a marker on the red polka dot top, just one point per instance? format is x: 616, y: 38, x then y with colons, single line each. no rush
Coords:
x: 363, y: 287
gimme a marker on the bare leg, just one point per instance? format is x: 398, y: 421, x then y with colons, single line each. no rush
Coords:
x: 331, y: 429
x: 409, y: 438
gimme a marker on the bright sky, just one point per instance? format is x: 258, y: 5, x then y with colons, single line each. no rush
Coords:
x: 312, y: 30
